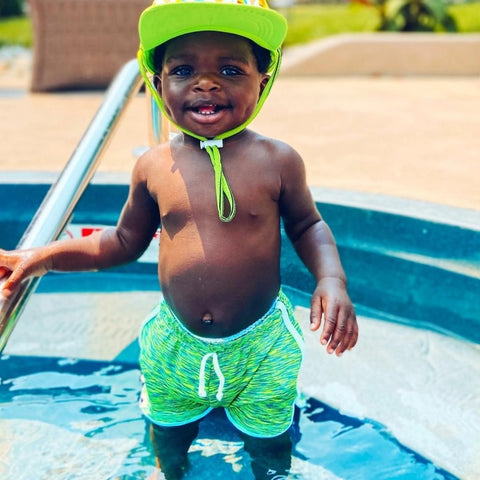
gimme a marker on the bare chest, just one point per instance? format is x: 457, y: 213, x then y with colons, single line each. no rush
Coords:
x: 189, y: 194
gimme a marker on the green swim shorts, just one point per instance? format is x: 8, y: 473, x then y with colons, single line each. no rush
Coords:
x: 252, y: 374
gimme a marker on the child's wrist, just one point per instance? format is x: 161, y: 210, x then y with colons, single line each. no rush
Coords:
x: 48, y: 254
x: 338, y: 279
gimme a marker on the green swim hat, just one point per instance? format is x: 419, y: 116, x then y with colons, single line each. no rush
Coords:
x: 252, y: 19
x: 167, y: 19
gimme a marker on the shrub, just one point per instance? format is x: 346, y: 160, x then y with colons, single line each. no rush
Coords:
x: 413, y: 15
x: 11, y: 8
x: 418, y: 16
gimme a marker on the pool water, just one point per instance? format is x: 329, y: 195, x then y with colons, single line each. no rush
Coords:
x: 403, y: 405
x: 363, y: 416
x: 64, y: 418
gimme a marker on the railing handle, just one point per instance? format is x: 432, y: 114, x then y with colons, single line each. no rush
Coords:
x: 54, y: 213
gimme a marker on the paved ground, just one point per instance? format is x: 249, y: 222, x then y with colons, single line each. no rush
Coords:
x: 411, y: 137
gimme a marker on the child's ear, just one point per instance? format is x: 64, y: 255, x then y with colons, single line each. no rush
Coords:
x: 157, y: 82
x: 263, y: 83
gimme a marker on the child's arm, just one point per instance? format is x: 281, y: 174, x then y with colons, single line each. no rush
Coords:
x: 114, y: 246
x: 316, y: 246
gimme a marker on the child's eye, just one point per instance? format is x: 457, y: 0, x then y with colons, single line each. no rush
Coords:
x: 230, y: 71
x: 182, y: 71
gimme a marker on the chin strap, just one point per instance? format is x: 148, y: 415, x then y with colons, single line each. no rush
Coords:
x: 222, y: 188
x: 211, y: 146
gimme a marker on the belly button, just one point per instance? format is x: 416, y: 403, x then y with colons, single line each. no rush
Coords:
x: 207, y: 319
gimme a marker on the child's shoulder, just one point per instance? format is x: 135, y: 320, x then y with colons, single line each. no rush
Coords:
x: 158, y: 150
x: 279, y: 148
x: 282, y: 158
x: 155, y: 153
x: 151, y: 159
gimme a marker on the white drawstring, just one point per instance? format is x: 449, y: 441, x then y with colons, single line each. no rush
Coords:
x: 211, y: 143
x: 202, y: 392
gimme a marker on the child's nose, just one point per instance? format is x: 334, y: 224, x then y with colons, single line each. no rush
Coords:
x: 206, y: 82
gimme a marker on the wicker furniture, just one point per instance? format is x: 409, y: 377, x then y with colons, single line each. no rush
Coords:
x: 80, y: 44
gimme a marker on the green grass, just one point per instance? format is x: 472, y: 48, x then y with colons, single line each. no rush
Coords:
x: 467, y: 17
x: 306, y: 22
x: 309, y: 22
x: 16, y: 31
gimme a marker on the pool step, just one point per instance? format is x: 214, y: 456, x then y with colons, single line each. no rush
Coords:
x: 420, y: 266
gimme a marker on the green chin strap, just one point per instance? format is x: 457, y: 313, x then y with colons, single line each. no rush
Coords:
x: 222, y: 188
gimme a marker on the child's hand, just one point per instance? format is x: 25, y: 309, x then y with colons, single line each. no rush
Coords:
x: 340, y: 329
x: 17, y: 265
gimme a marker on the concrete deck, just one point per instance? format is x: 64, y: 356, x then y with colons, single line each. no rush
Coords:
x: 387, y: 53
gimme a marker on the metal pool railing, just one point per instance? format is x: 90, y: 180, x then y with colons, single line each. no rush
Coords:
x: 60, y: 201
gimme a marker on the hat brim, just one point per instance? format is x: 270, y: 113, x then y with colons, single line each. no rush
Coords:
x: 160, y: 23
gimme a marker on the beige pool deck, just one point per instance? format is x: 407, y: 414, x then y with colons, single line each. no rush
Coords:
x: 414, y: 137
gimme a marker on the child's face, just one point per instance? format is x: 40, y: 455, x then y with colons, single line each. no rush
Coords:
x: 209, y: 82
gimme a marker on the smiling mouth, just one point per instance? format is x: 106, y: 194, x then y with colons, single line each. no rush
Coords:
x: 207, y: 109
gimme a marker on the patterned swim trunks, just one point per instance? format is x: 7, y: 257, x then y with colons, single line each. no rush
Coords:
x: 252, y: 374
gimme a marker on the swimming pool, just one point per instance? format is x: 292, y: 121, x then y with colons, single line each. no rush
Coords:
x: 404, y: 404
